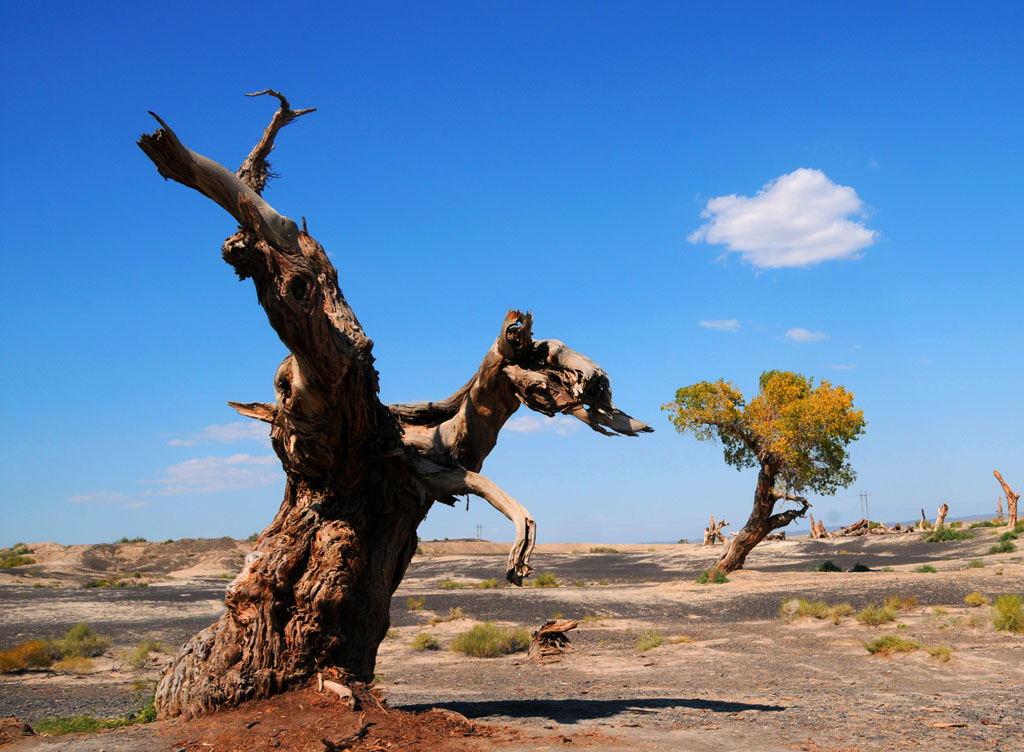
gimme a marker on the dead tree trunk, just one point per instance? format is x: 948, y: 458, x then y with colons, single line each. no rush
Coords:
x: 999, y: 505
x: 713, y: 533
x: 762, y: 521
x: 1011, y: 499
x: 940, y: 520
x: 314, y: 594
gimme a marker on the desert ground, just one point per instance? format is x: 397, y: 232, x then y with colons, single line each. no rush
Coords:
x: 731, y: 673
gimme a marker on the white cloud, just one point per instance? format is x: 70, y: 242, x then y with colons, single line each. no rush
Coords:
x: 721, y: 325
x: 803, y: 335
x: 799, y: 219
x: 108, y: 497
x: 212, y: 474
x: 562, y: 425
x: 843, y: 366
x: 228, y: 433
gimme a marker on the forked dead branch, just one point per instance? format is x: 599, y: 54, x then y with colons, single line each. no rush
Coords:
x: 315, y: 593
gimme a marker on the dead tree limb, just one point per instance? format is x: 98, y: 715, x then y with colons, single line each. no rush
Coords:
x: 713, y: 533
x: 550, y: 641
x: 940, y: 520
x: 1011, y: 499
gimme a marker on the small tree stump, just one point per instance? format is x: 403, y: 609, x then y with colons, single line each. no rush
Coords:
x: 550, y: 641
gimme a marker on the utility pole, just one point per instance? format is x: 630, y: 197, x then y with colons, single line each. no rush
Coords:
x: 864, y: 505
x: 479, y: 531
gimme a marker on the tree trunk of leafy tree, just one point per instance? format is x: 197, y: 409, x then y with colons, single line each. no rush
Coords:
x: 315, y: 592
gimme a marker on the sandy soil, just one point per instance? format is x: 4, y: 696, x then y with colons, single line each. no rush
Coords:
x: 741, y: 678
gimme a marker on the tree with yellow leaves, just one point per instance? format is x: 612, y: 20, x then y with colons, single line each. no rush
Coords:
x: 794, y: 432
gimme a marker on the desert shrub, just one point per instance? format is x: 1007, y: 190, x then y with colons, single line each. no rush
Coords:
x: 137, y: 657
x: 975, y: 564
x: 947, y: 534
x: 449, y: 584
x: 488, y: 584
x: 975, y: 599
x: 32, y: 654
x: 826, y: 566
x: 799, y: 608
x: 858, y: 567
x: 545, y: 579
x: 875, y: 615
x: 605, y: 550
x: 901, y: 602
x: 81, y: 641
x: 873, y: 525
x: 648, y: 639
x: 131, y: 540
x: 414, y: 604
x: 453, y: 614
x: 253, y: 537
x: 957, y: 524
x: 423, y: 641
x: 74, y: 664
x: 489, y: 641
x: 1002, y: 547
x: 392, y: 634
x: 679, y: 640
x: 891, y: 644
x: 925, y: 525
x: 89, y: 724
x: 1007, y: 614
x: 926, y: 569
x: 984, y: 523
x: 712, y: 577
x: 941, y: 652
x: 12, y: 560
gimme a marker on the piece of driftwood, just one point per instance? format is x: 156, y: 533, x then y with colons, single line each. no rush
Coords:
x: 780, y: 536
x: 940, y: 518
x: 343, y: 693
x: 818, y: 531
x: 1011, y: 499
x: 713, y: 533
x: 315, y: 591
x: 549, y: 641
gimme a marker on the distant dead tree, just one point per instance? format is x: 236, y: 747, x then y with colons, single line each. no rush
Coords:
x: 713, y: 533
x: 1011, y: 498
x: 315, y: 592
x: 940, y: 519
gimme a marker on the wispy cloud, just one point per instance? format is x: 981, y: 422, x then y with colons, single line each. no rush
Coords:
x: 799, y: 219
x: 804, y: 335
x: 108, y: 497
x: 212, y: 474
x: 843, y: 366
x: 227, y: 433
x: 720, y: 325
x: 562, y: 425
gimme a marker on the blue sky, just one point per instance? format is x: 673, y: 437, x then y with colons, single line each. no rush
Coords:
x: 680, y: 191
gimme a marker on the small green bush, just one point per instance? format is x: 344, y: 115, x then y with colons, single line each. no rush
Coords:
x: 858, y: 567
x: 946, y: 534
x: 81, y: 640
x: 975, y: 564
x: 74, y: 664
x: 712, y: 577
x: 17, y: 560
x: 957, y: 524
x: 32, y: 654
x: 544, y: 580
x: 449, y: 584
x: 648, y: 639
x: 984, y: 523
x: 926, y: 569
x: 826, y: 566
x: 88, y: 724
x: 489, y: 641
x: 137, y: 657
x: 799, y: 608
x: 875, y: 615
x: 453, y: 614
x: 605, y: 550
x: 130, y: 540
x: 488, y: 584
x: 942, y: 652
x: 1003, y: 547
x: 253, y: 537
x: 423, y: 641
x: 1007, y: 614
x: 975, y: 599
x: 901, y: 602
x: 414, y: 604
x: 891, y: 644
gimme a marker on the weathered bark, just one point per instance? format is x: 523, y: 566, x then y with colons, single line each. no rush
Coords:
x: 550, y: 641
x: 999, y: 505
x: 860, y: 527
x: 762, y: 521
x: 1011, y: 499
x: 314, y: 594
x: 713, y: 533
x: 940, y: 519
x: 817, y: 529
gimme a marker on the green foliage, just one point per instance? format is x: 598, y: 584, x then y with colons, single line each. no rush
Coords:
x: 872, y: 616
x: 889, y: 644
x: 414, y: 604
x: 648, y: 639
x: 81, y: 640
x: 489, y: 641
x: 131, y: 540
x: 137, y: 657
x: 712, y: 577
x: 825, y: 566
x: 603, y: 550
x: 423, y: 641
x: 800, y: 608
x: 488, y: 584
x: 74, y: 664
x: 453, y: 614
x: 984, y: 523
x: 32, y: 654
x: 858, y: 567
x: 88, y: 724
x: 946, y: 534
x: 253, y: 538
x: 1003, y: 547
x: 926, y: 569
x: 901, y: 602
x: 975, y: 599
x: 942, y: 652
x: 17, y: 560
x: 975, y: 564
x: 798, y: 429
x: 113, y: 582
x: 544, y: 580
x: 449, y: 584
x: 1007, y: 613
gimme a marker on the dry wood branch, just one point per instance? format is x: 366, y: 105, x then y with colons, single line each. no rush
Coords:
x: 255, y: 170
x: 713, y: 533
x: 1011, y: 498
x: 940, y: 520
x: 549, y: 641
